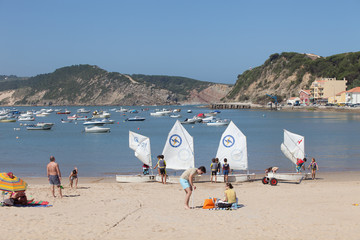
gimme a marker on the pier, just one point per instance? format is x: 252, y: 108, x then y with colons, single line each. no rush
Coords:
x: 230, y: 106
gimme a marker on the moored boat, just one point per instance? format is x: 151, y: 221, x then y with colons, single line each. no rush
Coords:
x: 40, y: 126
x: 96, y: 129
x: 136, y: 118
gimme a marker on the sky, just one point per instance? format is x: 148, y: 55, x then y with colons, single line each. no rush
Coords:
x: 205, y: 40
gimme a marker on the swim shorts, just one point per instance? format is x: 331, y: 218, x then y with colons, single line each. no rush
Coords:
x: 184, y: 183
x: 162, y: 171
x: 214, y: 173
x: 226, y: 172
x: 54, y: 180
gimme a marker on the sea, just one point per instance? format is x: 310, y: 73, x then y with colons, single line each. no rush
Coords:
x: 332, y: 138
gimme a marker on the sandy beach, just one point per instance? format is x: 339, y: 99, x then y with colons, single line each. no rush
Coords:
x: 103, y: 209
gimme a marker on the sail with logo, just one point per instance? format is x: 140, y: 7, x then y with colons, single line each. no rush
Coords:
x: 233, y: 147
x: 141, y: 145
x: 293, y: 146
x: 179, y: 148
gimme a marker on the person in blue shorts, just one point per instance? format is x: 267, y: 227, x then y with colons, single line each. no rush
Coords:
x: 186, y: 181
x: 226, y: 170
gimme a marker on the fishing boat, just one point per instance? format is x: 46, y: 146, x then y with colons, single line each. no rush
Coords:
x: 96, y: 129
x: 233, y: 147
x: 141, y: 146
x: 64, y: 112
x: 293, y: 147
x: 136, y: 118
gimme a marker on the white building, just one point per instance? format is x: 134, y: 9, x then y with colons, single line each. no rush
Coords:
x: 353, y: 96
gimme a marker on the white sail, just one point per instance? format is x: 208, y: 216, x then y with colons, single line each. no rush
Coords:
x: 179, y: 148
x: 233, y: 147
x: 293, y: 146
x: 141, y: 145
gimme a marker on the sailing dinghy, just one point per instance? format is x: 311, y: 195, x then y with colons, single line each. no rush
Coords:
x: 293, y: 148
x: 233, y: 147
x: 178, y: 150
x: 141, y: 145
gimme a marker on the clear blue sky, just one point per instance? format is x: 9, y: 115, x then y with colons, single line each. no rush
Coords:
x: 205, y: 40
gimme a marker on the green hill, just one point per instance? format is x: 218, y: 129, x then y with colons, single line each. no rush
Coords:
x: 287, y: 73
x: 91, y: 85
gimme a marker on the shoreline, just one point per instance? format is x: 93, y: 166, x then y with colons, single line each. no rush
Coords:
x: 324, y: 176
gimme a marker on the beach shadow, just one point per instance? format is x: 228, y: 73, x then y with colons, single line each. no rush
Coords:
x: 82, y: 187
x: 77, y: 195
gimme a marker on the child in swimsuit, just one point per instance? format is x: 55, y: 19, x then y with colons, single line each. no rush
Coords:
x: 313, y: 166
x: 73, y: 176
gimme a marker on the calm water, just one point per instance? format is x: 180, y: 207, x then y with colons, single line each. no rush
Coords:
x: 332, y: 138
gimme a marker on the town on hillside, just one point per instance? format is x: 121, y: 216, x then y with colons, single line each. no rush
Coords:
x: 329, y: 92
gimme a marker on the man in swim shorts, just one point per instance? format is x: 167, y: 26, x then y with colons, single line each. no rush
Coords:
x: 54, y: 175
x: 186, y: 181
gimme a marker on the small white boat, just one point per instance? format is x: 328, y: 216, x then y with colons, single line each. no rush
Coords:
x: 5, y: 120
x: 93, y: 123
x: 40, y: 126
x: 107, y: 121
x: 136, y: 118
x: 189, y: 111
x: 175, y: 116
x: 83, y: 118
x: 135, y: 178
x: 141, y: 145
x: 73, y: 117
x: 122, y: 110
x: 96, y: 129
x: 218, y: 122
x: 83, y: 110
x: 293, y: 147
x: 273, y: 178
x: 29, y: 118
x: 189, y: 121
x: 103, y: 114
x: 66, y: 121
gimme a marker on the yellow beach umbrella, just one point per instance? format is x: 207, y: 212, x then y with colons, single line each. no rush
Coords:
x: 11, y: 184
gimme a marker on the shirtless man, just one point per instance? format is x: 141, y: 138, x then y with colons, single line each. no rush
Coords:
x: 54, y: 175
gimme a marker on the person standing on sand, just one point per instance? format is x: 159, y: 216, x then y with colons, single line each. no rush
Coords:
x: 226, y: 170
x: 54, y: 175
x: 186, y: 181
x: 162, y: 168
x: 314, y: 167
x: 214, y: 169
x: 300, y: 164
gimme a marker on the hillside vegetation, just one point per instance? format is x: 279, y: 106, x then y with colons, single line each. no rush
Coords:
x: 285, y: 74
x: 91, y: 85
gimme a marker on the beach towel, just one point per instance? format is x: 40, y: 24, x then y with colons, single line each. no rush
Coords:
x: 234, y: 206
x: 35, y: 204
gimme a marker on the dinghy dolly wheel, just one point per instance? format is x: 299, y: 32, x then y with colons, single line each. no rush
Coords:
x: 273, y: 182
x: 265, y: 180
